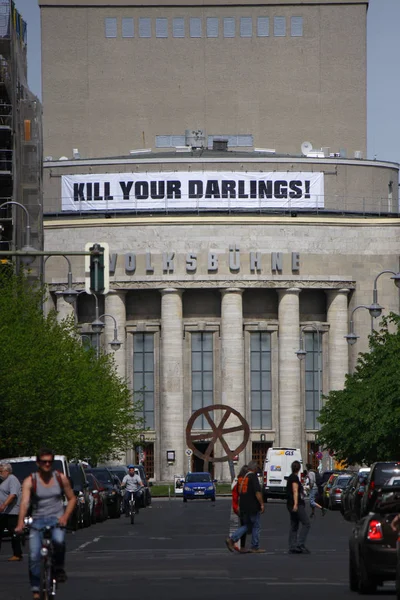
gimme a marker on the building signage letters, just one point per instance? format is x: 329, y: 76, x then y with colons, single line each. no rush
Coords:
x: 192, y: 190
x: 258, y: 262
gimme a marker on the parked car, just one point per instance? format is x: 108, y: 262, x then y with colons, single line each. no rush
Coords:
x: 99, y: 511
x: 112, y: 486
x: 23, y: 466
x: 373, y: 557
x: 198, y: 485
x: 81, y: 517
x: 380, y: 474
x: 345, y: 505
x: 352, y: 496
x: 335, y: 494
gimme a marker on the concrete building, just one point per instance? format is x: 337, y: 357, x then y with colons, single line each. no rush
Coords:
x: 224, y: 257
x: 20, y: 140
x: 264, y: 73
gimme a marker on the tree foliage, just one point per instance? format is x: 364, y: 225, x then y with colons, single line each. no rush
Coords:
x: 53, y: 391
x: 362, y: 421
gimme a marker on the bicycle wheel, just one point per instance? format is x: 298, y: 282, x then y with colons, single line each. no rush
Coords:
x: 132, y: 511
x: 45, y: 579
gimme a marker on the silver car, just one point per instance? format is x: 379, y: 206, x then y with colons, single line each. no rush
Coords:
x: 335, y: 494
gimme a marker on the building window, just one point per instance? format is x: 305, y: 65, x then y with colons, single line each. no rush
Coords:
x: 202, y: 374
x: 260, y: 380
x: 263, y: 26
x: 279, y: 26
x: 143, y: 374
x: 313, y: 378
x: 229, y: 27
x: 110, y: 26
x: 296, y: 26
x: 234, y: 141
x: 144, y: 27
x: 127, y: 28
x: 195, y: 27
x: 162, y: 28
x: 212, y: 27
x: 178, y: 27
x: 246, y: 27
x: 169, y: 141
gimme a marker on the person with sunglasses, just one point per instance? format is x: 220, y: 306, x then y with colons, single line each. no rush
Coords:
x: 44, y: 492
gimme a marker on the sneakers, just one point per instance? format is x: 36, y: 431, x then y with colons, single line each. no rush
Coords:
x: 323, y: 512
x: 230, y: 544
x: 304, y: 550
x: 312, y: 514
x: 257, y: 551
x: 295, y: 551
x: 15, y: 559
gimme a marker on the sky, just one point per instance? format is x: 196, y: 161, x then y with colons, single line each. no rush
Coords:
x: 383, y: 72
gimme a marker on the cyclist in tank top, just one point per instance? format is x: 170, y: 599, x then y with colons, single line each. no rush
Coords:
x: 44, y: 491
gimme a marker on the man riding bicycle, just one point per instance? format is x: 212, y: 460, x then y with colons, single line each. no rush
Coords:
x: 44, y: 491
x: 132, y: 483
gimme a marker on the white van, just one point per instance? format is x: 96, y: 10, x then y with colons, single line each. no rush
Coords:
x: 23, y: 466
x: 277, y: 468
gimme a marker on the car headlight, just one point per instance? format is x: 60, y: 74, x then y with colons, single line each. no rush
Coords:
x: 210, y: 487
x: 186, y: 488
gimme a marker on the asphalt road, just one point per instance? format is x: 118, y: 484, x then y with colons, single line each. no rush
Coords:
x: 176, y: 551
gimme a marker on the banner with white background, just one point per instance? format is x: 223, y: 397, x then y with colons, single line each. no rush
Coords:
x: 206, y: 190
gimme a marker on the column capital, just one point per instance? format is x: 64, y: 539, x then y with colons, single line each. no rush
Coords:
x: 231, y: 290
x: 293, y: 290
x: 116, y: 292
x: 339, y: 291
x: 165, y: 291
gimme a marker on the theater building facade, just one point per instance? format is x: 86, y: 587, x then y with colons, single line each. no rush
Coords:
x: 221, y: 265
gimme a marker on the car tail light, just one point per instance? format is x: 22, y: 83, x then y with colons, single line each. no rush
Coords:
x: 338, y: 491
x: 265, y: 478
x: 375, y: 531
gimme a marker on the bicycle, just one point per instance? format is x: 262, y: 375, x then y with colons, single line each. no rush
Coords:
x: 132, y: 507
x: 48, y: 580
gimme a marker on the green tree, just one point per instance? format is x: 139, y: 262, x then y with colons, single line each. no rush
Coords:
x: 362, y: 421
x: 53, y: 391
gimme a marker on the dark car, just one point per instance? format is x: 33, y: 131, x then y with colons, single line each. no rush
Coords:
x: 99, y: 505
x: 373, y: 555
x: 335, y: 495
x: 352, y: 496
x: 347, y: 495
x: 380, y: 474
x: 112, y: 486
x: 81, y: 517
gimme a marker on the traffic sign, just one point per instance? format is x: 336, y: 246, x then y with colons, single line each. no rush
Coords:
x: 189, y: 452
x: 318, y: 455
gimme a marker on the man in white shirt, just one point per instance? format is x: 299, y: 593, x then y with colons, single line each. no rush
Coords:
x: 10, y: 496
x: 132, y: 483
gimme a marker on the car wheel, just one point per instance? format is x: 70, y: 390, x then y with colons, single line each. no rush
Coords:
x: 366, y: 583
x: 185, y: 499
x: 353, y: 575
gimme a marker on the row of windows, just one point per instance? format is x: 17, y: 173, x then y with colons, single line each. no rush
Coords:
x: 202, y: 383
x: 234, y: 141
x: 213, y: 27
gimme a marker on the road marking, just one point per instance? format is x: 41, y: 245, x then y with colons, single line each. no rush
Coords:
x: 82, y: 546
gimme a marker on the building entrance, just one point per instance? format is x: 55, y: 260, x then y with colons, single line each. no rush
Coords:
x: 198, y: 463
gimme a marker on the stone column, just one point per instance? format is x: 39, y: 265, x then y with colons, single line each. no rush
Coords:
x: 291, y: 418
x: 64, y: 309
x: 338, y: 319
x: 171, y: 383
x: 232, y: 360
x: 114, y: 305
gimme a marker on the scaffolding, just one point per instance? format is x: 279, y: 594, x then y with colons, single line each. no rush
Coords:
x: 20, y: 138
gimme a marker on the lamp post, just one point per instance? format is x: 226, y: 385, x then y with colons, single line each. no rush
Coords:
x: 302, y: 353
x: 69, y: 295
x: 98, y: 325
x: 26, y: 260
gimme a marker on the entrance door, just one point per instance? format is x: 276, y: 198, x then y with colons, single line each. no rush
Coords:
x: 198, y: 463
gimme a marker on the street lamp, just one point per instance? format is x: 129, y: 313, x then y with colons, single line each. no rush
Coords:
x: 351, y: 337
x: 69, y: 295
x: 26, y: 260
x: 396, y: 279
x: 98, y: 325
